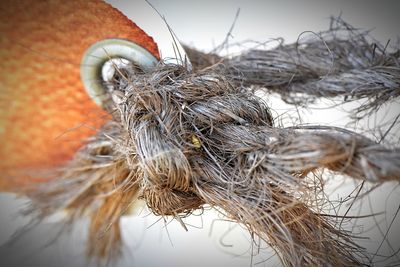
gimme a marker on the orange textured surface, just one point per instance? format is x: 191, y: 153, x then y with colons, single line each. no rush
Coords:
x: 45, y: 113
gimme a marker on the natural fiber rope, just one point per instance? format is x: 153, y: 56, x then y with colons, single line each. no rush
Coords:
x: 340, y: 62
x: 180, y: 140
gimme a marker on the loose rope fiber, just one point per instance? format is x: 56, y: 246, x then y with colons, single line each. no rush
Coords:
x: 183, y: 139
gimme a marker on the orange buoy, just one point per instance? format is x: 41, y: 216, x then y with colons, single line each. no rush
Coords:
x: 45, y: 111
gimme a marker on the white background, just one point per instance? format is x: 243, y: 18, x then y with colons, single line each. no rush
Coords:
x: 213, y: 242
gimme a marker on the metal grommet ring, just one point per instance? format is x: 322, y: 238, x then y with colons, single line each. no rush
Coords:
x: 109, y: 52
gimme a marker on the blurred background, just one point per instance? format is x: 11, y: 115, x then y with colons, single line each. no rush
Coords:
x: 211, y: 240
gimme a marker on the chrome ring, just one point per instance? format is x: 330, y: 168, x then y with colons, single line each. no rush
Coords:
x: 92, y: 72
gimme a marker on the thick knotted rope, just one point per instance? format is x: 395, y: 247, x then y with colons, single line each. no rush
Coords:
x: 180, y: 140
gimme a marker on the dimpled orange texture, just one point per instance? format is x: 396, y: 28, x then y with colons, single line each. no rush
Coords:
x: 45, y: 113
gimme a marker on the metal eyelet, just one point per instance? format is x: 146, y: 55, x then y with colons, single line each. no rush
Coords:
x: 99, y: 61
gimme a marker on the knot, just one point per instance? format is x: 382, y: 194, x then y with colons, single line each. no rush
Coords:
x: 166, y: 201
x: 164, y: 164
x: 171, y: 124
